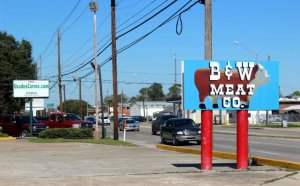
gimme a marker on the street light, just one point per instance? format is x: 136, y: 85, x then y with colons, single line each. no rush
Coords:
x: 248, y: 49
x: 94, y: 8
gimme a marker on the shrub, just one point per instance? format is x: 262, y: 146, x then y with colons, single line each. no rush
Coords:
x: 3, y: 135
x: 66, y: 133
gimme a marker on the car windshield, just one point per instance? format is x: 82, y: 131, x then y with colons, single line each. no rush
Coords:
x: 130, y: 121
x: 184, y: 123
x: 26, y: 119
x: 72, y: 117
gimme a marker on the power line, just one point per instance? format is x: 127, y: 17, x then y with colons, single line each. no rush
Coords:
x: 173, y: 16
x: 70, y: 14
x: 73, y: 23
x: 127, y: 32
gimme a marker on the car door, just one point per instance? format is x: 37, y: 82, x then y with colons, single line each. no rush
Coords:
x: 59, y: 121
x: 168, y: 130
x: 7, y: 125
x: 52, y: 121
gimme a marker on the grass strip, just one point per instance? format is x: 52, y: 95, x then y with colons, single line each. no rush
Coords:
x: 106, y: 141
x: 3, y: 135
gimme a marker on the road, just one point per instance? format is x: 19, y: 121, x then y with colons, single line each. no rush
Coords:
x: 267, y: 147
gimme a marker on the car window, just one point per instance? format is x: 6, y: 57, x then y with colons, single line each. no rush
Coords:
x: 182, y: 123
x: 72, y: 117
x: 130, y: 121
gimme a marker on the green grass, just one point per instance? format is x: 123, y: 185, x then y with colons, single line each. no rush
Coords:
x: 106, y: 141
x: 3, y: 135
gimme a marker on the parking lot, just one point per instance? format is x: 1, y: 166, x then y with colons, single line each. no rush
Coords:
x: 24, y: 163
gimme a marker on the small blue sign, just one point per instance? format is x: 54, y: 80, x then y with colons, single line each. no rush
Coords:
x: 230, y: 85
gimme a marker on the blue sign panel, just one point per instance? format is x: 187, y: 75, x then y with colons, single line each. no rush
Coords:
x: 230, y: 85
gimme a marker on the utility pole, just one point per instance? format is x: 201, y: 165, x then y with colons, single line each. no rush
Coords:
x: 206, y: 115
x: 175, y: 68
x: 267, y: 112
x: 101, y: 101
x: 65, y: 105
x: 122, y: 104
x: 94, y: 8
x: 114, y: 69
x: 41, y: 67
x: 59, y: 77
x: 80, y: 99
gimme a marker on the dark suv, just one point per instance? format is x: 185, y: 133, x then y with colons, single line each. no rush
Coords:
x: 179, y: 130
x: 18, y: 125
x: 159, y: 121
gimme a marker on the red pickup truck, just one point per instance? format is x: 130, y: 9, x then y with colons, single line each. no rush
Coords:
x: 18, y: 125
x: 58, y: 120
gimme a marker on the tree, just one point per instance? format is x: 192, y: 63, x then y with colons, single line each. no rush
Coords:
x: 296, y: 93
x: 153, y: 93
x: 174, y: 91
x: 16, y: 63
x: 73, y: 106
x: 156, y: 92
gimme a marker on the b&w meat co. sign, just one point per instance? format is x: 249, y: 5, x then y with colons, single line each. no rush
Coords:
x: 230, y: 85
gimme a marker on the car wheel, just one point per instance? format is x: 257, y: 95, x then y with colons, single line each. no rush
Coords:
x: 162, y: 139
x: 153, y: 132
x: 24, y: 134
x: 174, y: 140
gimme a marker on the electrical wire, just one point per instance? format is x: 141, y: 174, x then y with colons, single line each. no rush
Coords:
x: 127, y: 32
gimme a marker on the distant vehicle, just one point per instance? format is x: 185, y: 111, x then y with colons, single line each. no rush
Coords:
x: 69, y: 120
x: 19, y: 125
x: 121, y: 119
x: 159, y: 121
x: 179, y: 130
x: 92, y: 119
x: 139, y: 118
x: 130, y: 125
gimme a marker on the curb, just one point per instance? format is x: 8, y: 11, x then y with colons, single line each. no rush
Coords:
x: 6, y: 138
x: 232, y: 156
x: 261, y: 135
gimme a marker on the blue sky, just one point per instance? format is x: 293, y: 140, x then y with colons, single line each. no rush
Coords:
x: 266, y: 27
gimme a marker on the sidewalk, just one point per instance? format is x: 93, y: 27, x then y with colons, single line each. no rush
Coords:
x: 24, y: 163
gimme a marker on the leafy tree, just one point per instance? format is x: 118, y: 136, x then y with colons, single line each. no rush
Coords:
x: 73, y: 106
x: 174, y: 91
x: 153, y: 93
x: 16, y: 63
x: 296, y: 93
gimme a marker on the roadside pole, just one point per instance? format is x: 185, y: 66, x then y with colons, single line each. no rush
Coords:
x: 31, y: 115
x: 242, y: 139
x: 124, y: 137
x: 206, y: 115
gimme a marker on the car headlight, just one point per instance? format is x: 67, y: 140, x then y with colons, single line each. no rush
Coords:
x: 179, y: 132
x: 47, y: 127
x: 199, y: 132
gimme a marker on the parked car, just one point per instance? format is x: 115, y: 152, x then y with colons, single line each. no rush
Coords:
x: 69, y: 120
x: 130, y: 125
x: 139, y: 118
x: 159, y: 121
x: 179, y: 130
x: 19, y: 125
x: 92, y: 119
x: 123, y: 118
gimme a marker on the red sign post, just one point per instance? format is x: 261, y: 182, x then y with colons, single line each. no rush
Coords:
x: 242, y: 139
x: 206, y: 140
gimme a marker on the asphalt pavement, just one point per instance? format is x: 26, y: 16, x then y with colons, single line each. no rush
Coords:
x: 24, y: 163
